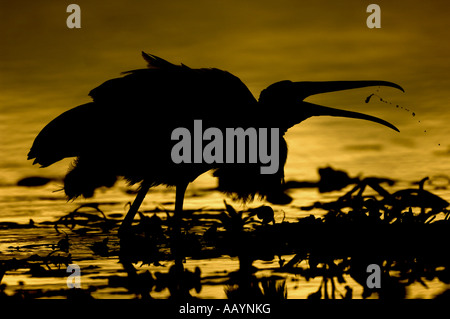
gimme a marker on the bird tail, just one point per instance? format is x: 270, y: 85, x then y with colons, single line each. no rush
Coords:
x: 64, y: 136
x: 84, y: 177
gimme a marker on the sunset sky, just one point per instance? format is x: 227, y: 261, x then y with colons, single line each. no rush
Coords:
x: 47, y: 68
x: 260, y: 41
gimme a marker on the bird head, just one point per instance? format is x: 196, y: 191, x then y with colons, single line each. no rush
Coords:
x: 292, y: 94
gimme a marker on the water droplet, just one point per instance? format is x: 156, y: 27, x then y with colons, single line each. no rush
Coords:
x: 368, y: 98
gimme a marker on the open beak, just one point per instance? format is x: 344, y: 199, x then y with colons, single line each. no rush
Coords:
x: 319, y: 110
x: 305, y: 89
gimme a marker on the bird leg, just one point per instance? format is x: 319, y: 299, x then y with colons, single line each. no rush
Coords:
x: 128, y: 220
x: 179, y: 197
x: 176, y: 226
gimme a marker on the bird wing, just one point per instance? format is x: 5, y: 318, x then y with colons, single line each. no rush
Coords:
x: 63, y: 137
x: 142, y: 108
x: 179, y: 94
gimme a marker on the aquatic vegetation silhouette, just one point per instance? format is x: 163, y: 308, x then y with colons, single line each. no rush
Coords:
x: 54, y: 264
x: 360, y: 230
x: 271, y: 288
x: 401, y: 231
x: 392, y: 206
x: 101, y: 248
x: 330, y: 179
x: 177, y: 280
x: 87, y: 218
x: 33, y: 181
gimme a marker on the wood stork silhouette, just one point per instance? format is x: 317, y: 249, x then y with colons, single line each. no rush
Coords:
x: 126, y: 130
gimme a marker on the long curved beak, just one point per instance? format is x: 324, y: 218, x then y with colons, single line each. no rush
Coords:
x: 319, y: 110
x: 305, y: 89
